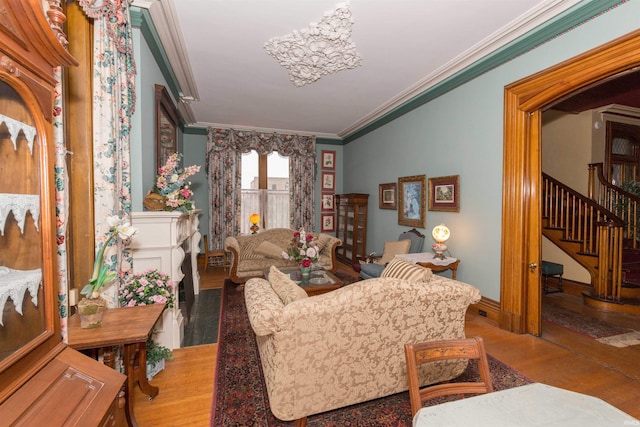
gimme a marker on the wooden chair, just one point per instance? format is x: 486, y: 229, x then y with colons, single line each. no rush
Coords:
x: 421, y: 353
x: 213, y: 254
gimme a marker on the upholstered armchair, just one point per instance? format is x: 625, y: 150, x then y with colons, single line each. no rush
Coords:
x: 408, y: 242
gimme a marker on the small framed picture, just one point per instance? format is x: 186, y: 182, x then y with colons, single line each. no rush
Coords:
x: 327, y: 202
x: 328, y: 160
x: 328, y: 181
x: 387, y: 196
x: 328, y: 222
x: 412, y: 201
x: 444, y: 193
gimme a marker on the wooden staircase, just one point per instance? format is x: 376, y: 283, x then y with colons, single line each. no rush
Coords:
x: 599, y: 237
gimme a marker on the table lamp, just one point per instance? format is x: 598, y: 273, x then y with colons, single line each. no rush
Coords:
x: 254, y: 219
x: 440, y: 234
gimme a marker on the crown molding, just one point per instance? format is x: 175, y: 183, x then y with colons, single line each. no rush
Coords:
x: 205, y: 125
x: 158, y: 22
x: 476, y: 53
x: 537, y: 27
x: 532, y: 30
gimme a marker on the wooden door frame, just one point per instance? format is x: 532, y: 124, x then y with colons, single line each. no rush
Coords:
x: 524, y: 100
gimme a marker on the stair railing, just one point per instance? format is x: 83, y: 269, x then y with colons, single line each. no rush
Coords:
x: 617, y: 200
x: 597, y: 230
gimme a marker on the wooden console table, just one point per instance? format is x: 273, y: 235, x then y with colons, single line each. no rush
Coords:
x: 129, y: 327
x: 428, y: 260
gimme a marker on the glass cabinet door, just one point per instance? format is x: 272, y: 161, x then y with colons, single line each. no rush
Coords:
x: 22, y: 297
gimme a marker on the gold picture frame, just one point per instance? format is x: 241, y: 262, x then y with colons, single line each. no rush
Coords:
x: 412, y: 201
x: 166, y: 126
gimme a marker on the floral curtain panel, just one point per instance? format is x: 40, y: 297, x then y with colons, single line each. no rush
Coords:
x: 62, y: 204
x: 224, y: 159
x: 113, y: 105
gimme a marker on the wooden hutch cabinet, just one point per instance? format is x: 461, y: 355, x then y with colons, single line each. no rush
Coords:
x: 351, y: 226
x: 42, y: 381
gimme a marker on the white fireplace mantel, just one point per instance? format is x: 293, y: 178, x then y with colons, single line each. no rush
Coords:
x: 162, y: 242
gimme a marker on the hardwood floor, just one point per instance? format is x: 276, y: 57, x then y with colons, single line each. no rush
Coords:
x: 559, y: 358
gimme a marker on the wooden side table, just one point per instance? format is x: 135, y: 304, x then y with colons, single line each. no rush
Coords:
x: 437, y: 268
x: 428, y: 260
x: 129, y: 327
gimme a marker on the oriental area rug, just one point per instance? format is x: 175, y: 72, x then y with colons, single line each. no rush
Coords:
x: 591, y: 327
x: 240, y: 396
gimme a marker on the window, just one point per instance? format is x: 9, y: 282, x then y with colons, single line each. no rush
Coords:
x: 265, y: 190
x: 622, y: 152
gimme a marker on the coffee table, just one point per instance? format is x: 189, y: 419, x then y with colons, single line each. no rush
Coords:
x: 321, y: 281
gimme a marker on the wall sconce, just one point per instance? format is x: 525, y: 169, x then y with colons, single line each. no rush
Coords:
x: 254, y: 219
x: 440, y: 234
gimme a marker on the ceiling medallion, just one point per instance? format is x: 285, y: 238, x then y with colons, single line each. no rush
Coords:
x: 322, y: 48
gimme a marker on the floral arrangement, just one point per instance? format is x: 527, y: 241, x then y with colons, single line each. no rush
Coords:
x: 172, y: 185
x: 101, y: 275
x: 150, y: 287
x: 302, y: 249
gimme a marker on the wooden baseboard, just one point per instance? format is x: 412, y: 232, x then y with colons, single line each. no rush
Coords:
x: 491, y: 309
x: 487, y: 308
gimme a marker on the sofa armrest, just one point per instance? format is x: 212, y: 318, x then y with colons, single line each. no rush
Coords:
x: 232, y: 245
x: 329, y: 251
x: 264, y: 307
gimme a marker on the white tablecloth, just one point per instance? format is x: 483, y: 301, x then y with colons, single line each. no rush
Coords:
x: 527, y: 406
x: 427, y: 257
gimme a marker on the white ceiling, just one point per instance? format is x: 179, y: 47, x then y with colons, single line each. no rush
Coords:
x: 216, y: 49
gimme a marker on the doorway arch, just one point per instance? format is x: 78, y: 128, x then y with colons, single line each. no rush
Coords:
x: 520, y: 294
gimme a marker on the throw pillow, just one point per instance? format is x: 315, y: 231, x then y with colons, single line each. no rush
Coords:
x: 401, y: 269
x: 391, y: 249
x: 287, y: 289
x: 268, y: 249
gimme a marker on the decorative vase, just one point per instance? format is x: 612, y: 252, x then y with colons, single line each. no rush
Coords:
x: 91, y: 311
x: 306, y: 273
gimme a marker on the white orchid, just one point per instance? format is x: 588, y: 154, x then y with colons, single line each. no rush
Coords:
x: 117, y: 227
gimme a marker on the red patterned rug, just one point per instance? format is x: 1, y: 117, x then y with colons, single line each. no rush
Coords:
x: 240, y: 396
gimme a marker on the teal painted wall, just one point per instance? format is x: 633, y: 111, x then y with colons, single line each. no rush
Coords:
x: 195, y: 153
x: 143, y: 122
x: 461, y: 133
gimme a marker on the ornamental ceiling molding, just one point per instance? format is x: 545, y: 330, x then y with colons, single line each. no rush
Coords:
x: 320, y: 49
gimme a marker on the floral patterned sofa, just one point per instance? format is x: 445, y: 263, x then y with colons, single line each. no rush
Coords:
x: 347, y: 346
x: 253, y: 253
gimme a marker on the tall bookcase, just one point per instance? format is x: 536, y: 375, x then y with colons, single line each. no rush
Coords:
x: 351, y: 226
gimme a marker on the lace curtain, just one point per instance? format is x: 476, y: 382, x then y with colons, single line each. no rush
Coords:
x: 224, y: 160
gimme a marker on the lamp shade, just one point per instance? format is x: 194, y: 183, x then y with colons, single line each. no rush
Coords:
x: 440, y: 233
x: 254, y: 218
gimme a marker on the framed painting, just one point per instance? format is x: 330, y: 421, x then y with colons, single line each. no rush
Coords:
x: 387, y: 196
x: 444, y: 193
x: 328, y: 181
x: 412, y: 201
x: 327, y: 202
x: 166, y: 126
x: 327, y: 223
x: 328, y: 160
